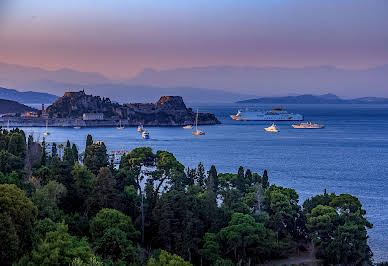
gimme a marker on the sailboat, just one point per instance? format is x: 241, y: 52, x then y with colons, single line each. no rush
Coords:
x: 140, y: 128
x: 76, y: 125
x: 47, y: 132
x: 120, y: 127
x: 197, y: 132
x: 8, y: 125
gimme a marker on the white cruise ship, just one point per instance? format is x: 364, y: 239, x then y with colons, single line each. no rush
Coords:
x: 276, y: 114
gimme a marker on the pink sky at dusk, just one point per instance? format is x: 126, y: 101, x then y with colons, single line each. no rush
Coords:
x: 120, y: 38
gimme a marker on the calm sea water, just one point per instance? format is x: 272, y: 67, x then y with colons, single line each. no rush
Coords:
x: 349, y: 156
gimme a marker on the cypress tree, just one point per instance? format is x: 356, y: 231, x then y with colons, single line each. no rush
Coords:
x: 201, y: 175
x: 265, y: 182
x: 68, y: 154
x: 43, y: 158
x: 240, y: 183
x: 212, y: 179
x: 89, y: 140
x: 74, y: 151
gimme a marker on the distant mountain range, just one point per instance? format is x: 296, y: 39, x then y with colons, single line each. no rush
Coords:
x: 203, y: 84
x: 7, y: 106
x: 274, y: 81
x: 26, y: 97
x: 59, y: 81
x: 314, y: 99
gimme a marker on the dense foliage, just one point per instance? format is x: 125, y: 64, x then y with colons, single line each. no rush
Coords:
x: 56, y: 209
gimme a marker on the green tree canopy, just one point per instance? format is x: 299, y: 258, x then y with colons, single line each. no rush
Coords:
x: 17, y: 219
x: 113, y: 234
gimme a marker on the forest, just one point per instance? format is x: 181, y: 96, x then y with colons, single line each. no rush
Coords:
x: 62, y: 207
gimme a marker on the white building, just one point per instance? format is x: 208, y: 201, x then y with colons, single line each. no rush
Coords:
x: 93, y: 116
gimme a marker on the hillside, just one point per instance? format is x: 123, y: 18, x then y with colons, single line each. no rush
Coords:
x: 27, y: 97
x: 315, y: 99
x: 7, y: 106
x: 167, y: 111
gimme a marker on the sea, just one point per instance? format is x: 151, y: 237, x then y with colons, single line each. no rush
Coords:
x: 350, y: 155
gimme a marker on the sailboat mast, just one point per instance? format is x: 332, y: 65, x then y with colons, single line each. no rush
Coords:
x: 196, y: 121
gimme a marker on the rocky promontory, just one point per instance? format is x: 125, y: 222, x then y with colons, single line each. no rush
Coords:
x: 88, y: 110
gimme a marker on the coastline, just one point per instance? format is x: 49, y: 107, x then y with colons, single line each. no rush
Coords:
x: 70, y: 122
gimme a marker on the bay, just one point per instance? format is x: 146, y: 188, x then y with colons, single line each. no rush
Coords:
x: 349, y: 156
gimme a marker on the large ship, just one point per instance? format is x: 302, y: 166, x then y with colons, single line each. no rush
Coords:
x: 276, y: 114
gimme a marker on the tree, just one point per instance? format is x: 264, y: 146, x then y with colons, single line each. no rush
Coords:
x: 282, y: 206
x: 167, y: 259
x: 104, y: 192
x: 17, y: 143
x: 48, y: 198
x: 338, y: 229
x: 95, y: 157
x: 240, y: 182
x: 17, y: 218
x: 247, y: 239
x: 113, y: 234
x: 74, y: 151
x: 212, y: 179
x: 89, y: 140
x: 10, y: 162
x: 68, y: 154
x: 85, y: 182
x: 59, y: 248
x: 43, y: 158
x: 201, y: 175
x: 179, y: 215
x: 265, y: 182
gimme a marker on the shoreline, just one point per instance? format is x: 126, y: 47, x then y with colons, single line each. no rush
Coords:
x: 66, y: 122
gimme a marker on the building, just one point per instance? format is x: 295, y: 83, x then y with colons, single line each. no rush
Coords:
x: 30, y: 114
x: 93, y: 116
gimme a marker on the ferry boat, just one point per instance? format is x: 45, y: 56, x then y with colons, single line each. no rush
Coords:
x: 272, y: 128
x: 145, y: 135
x: 276, y: 114
x: 308, y: 125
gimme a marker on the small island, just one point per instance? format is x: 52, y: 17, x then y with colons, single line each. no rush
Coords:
x: 80, y: 109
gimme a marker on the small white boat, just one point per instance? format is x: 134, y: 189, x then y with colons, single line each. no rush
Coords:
x: 308, y: 125
x: 120, y: 127
x: 188, y: 127
x: 140, y: 128
x: 46, y: 133
x: 76, y: 125
x: 197, y: 132
x: 271, y: 128
x: 145, y: 135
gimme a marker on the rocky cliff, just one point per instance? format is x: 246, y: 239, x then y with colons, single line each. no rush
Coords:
x: 74, y: 104
x: 168, y: 111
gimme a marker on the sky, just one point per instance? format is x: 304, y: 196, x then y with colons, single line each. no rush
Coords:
x: 120, y: 38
